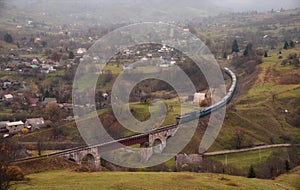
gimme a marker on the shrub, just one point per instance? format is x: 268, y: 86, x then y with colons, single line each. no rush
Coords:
x: 251, y: 173
x: 15, y: 173
x: 8, y: 38
x: 83, y: 168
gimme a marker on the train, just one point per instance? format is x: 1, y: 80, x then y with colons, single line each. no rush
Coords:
x: 201, y: 113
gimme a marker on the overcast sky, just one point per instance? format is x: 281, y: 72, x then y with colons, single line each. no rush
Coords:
x: 135, y: 10
x: 260, y: 5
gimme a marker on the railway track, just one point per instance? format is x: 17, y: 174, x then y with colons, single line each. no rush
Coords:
x: 129, y: 140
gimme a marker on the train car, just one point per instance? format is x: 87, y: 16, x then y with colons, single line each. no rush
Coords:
x: 198, y: 114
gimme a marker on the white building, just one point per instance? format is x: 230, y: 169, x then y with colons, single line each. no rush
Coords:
x: 14, y: 127
x: 199, y: 97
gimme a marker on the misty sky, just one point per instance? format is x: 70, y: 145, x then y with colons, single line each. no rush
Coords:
x: 134, y: 10
x: 260, y: 5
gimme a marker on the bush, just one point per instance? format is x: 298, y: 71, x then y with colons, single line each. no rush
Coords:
x: 8, y: 38
x: 83, y: 168
x: 15, y: 173
x: 251, y: 173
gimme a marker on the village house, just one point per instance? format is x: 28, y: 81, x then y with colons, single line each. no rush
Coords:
x: 48, y: 100
x: 8, y: 97
x: 198, y: 97
x: 66, y: 106
x: 35, y: 123
x: 33, y: 101
x: 3, y: 126
x: 14, y: 127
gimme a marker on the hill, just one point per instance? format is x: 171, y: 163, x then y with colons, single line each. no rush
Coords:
x: 62, y: 179
x: 266, y: 108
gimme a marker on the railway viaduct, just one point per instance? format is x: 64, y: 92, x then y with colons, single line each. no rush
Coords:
x: 91, y: 155
x: 152, y: 142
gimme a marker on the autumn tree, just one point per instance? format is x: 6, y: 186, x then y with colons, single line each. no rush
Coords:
x: 55, y: 56
x: 52, y: 110
x: 8, y: 152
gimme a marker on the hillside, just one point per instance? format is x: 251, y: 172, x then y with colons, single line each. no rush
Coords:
x: 62, y: 179
x: 266, y: 110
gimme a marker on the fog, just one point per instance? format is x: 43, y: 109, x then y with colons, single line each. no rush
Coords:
x: 112, y: 11
x: 258, y: 5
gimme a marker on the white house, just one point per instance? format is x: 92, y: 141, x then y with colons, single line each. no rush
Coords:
x: 8, y: 97
x: 14, y: 127
x: 35, y: 123
x: 199, y: 97
x: 81, y: 51
x: 3, y: 126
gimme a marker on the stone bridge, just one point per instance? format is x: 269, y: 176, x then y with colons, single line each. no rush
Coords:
x: 157, y: 139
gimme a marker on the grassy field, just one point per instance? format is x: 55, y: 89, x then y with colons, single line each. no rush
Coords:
x: 290, y: 179
x: 244, y: 160
x: 65, y: 180
x: 141, y: 111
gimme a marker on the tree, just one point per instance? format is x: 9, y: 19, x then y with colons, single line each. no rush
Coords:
x: 71, y: 55
x: 251, y: 173
x: 39, y: 147
x: 235, y: 46
x: 44, y: 43
x: 8, y: 152
x: 57, y: 132
x: 208, y: 43
x: 55, y: 56
x: 272, y: 46
x: 238, y: 138
x: 8, y: 38
x: 292, y: 44
x: 248, y: 50
x: 287, y: 165
x: 53, y: 111
x: 225, y: 55
x: 286, y: 45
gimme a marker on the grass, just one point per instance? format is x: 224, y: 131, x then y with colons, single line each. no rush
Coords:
x: 243, y: 160
x: 43, y: 152
x: 65, y: 180
x: 290, y: 179
x: 142, y: 110
x: 6, y: 111
x: 256, y: 113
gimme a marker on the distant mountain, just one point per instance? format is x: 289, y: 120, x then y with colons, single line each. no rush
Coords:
x: 113, y: 10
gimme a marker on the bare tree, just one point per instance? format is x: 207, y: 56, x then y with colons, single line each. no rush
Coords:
x: 8, y: 152
x: 238, y: 138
